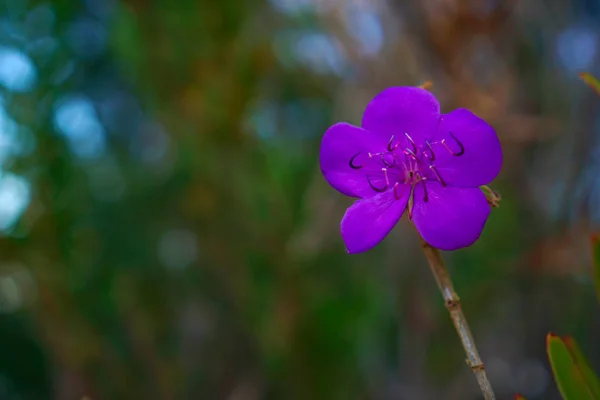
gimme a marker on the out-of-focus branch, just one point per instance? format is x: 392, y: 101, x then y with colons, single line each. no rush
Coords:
x: 452, y: 301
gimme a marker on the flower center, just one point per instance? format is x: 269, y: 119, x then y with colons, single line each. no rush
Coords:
x: 403, y: 162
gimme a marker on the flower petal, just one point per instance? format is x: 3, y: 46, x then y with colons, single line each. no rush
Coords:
x: 452, y: 217
x: 368, y: 221
x: 481, y: 160
x: 403, y: 109
x: 340, y: 144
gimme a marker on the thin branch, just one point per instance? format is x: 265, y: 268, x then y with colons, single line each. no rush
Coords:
x: 436, y: 262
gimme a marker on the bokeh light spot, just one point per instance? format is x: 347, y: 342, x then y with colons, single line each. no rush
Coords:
x: 576, y: 48
x: 17, y: 72
x: 365, y: 27
x: 320, y: 52
x: 77, y: 120
x: 14, y: 199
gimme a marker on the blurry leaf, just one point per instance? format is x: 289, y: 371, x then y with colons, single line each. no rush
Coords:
x: 571, y: 372
x: 588, y: 374
x: 128, y: 43
x: 591, y: 81
x: 519, y: 396
x: 596, y: 263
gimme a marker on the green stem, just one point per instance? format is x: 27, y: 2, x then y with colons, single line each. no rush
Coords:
x: 436, y: 262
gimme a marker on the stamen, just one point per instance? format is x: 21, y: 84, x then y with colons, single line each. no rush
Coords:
x: 389, y: 146
x: 462, y: 148
x: 432, y: 158
x: 437, y: 175
x: 411, y: 154
x: 396, y: 193
x: 351, y: 163
x: 387, y: 180
x: 378, y: 190
x: 414, y: 164
x: 423, y: 179
x: 412, y: 142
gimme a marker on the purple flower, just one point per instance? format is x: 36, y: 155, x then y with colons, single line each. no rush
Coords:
x: 408, y: 155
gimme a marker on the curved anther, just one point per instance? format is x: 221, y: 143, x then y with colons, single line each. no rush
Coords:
x: 396, y: 191
x: 431, y: 155
x: 460, y: 145
x: 411, y: 154
x: 422, y: 180
x: 351, y: 163
x: 391, y: 146
x: 437, y: 175
x: 375, y: 188
x: 412, y: 142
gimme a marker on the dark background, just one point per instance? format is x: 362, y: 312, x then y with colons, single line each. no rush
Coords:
x: 166, y: 232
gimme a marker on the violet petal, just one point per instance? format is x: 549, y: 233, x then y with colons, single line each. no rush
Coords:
x: 452, y: 217
x: 481, y: 160
x: 403, y: 109
x: 368, y: 221
x: 340, y: 144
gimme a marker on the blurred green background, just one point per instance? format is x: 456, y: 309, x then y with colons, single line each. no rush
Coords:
x: 166, y: 232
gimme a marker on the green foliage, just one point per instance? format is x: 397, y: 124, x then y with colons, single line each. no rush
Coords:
x: 574, y: 377
x: 212, y: 129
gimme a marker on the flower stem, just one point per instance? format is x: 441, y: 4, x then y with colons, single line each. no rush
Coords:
x: 436, y: 262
